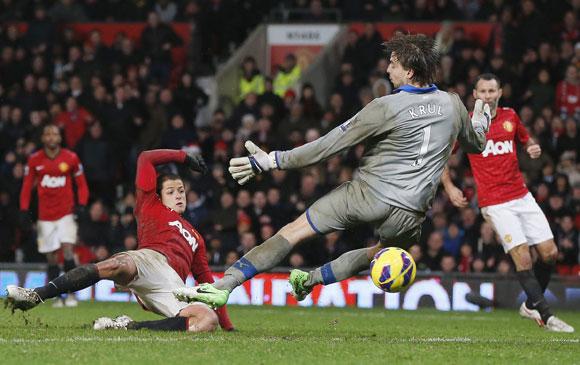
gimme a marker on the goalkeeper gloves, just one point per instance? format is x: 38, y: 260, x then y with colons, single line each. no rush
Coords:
x: 481, y: 117
x: 243, y: 169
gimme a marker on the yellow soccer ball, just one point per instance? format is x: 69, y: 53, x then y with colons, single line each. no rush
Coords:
x: 393, y: 269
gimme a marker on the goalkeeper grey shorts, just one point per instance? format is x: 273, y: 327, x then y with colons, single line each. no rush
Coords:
x: 354, y: 203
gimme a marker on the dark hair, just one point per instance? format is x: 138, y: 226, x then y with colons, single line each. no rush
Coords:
x: 161, y: 178
x: 487, y: 77
x: 51, y: 125
x: 417, y: 53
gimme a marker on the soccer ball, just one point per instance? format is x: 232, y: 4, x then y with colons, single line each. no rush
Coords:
x: 393, y: 269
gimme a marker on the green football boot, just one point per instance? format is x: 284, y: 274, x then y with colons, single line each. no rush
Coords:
x: 204, y: 293
x: 297, y: 280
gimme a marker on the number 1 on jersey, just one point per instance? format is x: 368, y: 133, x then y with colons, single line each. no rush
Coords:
x: 424, y: 146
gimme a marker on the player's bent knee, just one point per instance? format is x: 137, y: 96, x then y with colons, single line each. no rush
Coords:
x: 119, y: 268
x: 522, y: 257
x: 108, y: 268
x: 201, y: 318
x: 551, y: 256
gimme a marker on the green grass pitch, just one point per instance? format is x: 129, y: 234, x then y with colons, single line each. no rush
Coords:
x: 272, y: 335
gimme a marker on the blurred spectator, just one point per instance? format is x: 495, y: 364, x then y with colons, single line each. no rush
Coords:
x: 251, y: 80
x: 178, y: 134
x: 166, y: 9
x: 67, y: 11
x: 568, y: 94
x: 311, y: 109
x: 541, y: 91
x: 196, y: 211
x: 95, y: 229
x: 434, y: 251
x: 448, y: 263
x: 452, y: 238
x: 568, y: 241
x: 74, y: 121
x: 288, y: 74
x: 465, y: 258
x: 96, y: 153
x: 157, y: 40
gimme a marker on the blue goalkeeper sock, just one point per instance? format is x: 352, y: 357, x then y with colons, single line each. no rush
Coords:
x: 344, y: 267
x: 259, y: 259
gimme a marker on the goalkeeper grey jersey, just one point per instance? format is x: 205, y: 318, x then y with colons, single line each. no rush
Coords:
x: 408, y: 138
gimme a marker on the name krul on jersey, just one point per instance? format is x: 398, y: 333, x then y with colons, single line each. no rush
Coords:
x: 498, y: 148
x: 428, y: 109
x: 185, y: 233
x: 53, y: 181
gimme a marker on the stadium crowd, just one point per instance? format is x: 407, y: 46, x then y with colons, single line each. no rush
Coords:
x: 113, y: 102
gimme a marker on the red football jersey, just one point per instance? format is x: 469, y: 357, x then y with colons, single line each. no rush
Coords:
x: 161, y: 229
x: 53, y: 179
x: 496, y: 170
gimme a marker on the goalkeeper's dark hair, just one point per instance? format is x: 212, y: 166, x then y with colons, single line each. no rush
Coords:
x: 161, y: 178
x: 487, y: 77
x: 415, y: 52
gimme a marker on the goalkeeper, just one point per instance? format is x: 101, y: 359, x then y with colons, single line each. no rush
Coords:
x: 408, y: 138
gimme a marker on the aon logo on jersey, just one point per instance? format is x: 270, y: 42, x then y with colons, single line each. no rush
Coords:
x: 53, y: 181
x: 185, y: 233
x: 498, y: 148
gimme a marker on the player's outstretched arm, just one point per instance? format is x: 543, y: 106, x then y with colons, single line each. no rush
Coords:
x: 455, y: 194
x: 146, y: 174
x: 372, y: 119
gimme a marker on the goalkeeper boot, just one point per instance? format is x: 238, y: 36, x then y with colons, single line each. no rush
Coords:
x: 21, y: 298
x: 118, y: 323
x: 297, y: 280
x: 555, y: 324
x: 532, y: 314
x: 204, y: 293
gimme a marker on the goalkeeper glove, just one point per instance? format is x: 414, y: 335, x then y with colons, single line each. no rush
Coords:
x: 481, y: 117
x: 243, y: 169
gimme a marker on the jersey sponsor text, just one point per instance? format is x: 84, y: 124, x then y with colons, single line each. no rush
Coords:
x: 53, y: 181
x: 185, y: 233
x: 498, y: 148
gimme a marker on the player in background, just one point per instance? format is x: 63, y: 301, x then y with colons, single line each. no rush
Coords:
x: 169, y: 249
x: 408, y: 138
x: 51, y: 170
x: 507, y: 204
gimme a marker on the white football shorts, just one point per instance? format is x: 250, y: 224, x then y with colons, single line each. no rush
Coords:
x: 155, y: 282
x: 518, y: 221
x: 52, y: 233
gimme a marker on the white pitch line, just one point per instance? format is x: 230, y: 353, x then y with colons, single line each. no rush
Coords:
x: 415, y: 340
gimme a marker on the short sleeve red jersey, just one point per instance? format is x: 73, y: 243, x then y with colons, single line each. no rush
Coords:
x: 53, y: 178
x: 496, y: 170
